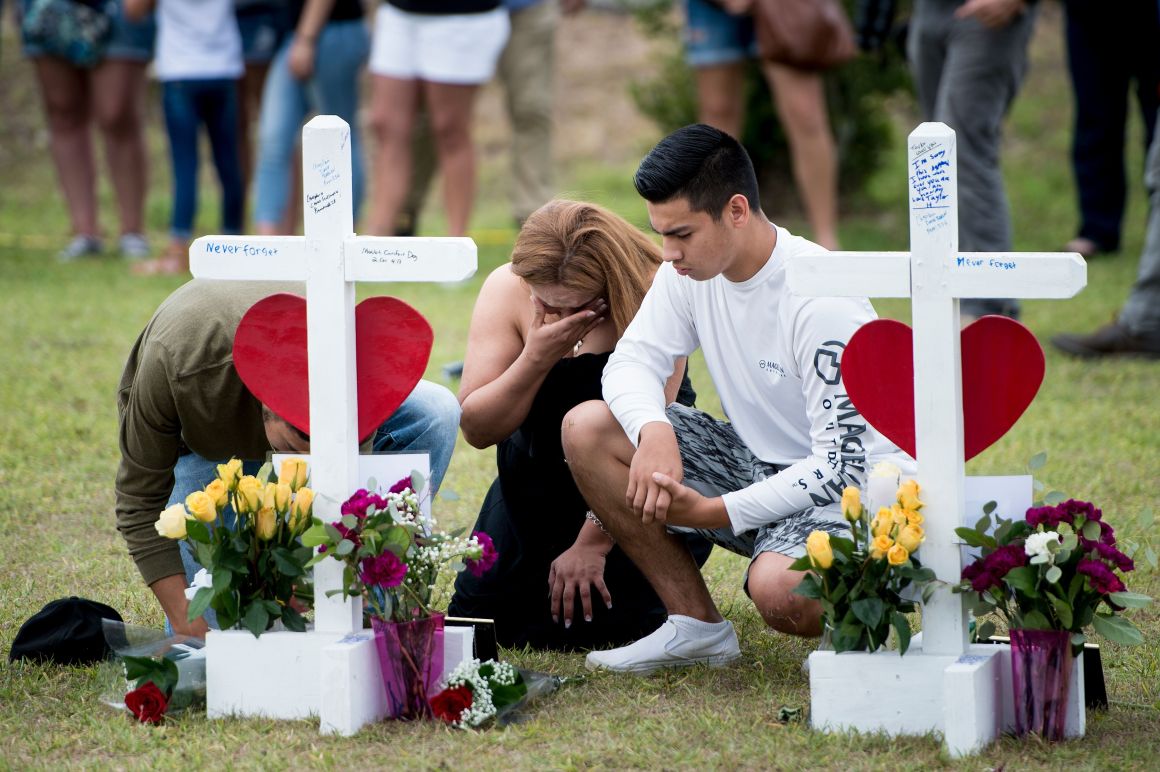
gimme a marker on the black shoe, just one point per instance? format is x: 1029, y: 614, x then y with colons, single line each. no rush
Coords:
x: 1110, y: 340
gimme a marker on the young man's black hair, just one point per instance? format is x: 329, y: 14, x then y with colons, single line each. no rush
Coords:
x: 702, y: 164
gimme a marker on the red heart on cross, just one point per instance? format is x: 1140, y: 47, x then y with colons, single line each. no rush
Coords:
x: 1002, y: 371
x: 392, y: 346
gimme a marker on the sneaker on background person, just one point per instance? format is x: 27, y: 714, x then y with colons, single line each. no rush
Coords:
x: 80, y: 246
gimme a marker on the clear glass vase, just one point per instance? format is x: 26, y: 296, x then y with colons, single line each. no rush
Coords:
x: 411, y: 659
x: 1041, y: 664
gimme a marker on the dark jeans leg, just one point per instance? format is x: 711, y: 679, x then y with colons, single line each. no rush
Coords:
x: 219, y: 112
x: 177, y: 99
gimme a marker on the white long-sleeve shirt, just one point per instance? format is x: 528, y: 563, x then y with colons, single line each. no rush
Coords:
x: 775, y: 360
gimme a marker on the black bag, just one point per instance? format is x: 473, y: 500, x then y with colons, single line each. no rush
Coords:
x: 66, y: 631
x: 76, y: 30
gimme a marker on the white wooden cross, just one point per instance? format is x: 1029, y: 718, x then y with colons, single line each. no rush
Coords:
x: 329, y: 259
x: 935, y: 275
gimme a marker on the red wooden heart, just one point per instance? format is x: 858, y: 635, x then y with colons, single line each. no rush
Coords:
x: 1002, y: 371
x: 392, y: 346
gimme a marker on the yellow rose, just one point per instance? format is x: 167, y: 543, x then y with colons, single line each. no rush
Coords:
x: 911, y: 537
x: 171, y: 523
x: 229, y: 473
x: 293, y: 473
x: 270, y: 496
x: 908, y: 495
x: 852, y: 503
x: 220, y: 494
x: 883, y: 523
x: 897, y: 515
x: 249, y: 495
x: 897, y: 555
x: 266, y: 523
x: 300, y: 512
x: 818, y: 548
x: 282, y: 497
x: 201, y: 506
x: 914, y: 518
x: 880, y: 546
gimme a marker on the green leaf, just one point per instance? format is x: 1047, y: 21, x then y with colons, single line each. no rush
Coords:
x: 204, y: 554
x: 264, y: 472
x: 1053, y: 574
x: 984, y: 523
x: 990, y: 507
x: 868, y: 611
x: 286, y: 563
x: 1037, y: 461
x: 801, y: 564
x: 1054, y: 497
x: 809, y: 587
x: 1062, y: 610
x: 1035, y: 620
x: 200, y: 602
x: 417, y: 480
x: 1024, y: 579
x: 1150, y: 557
x: 255, y: 619
x: 970, y: 537
x: 345, y: 547
x: 293, y: 621
x: 1117, y: 629
x: 985, y: 630
x: 1091, y: 530
x: 1129, y: 599
x: 902, y: 628
x: 222, y: 579
x: 350, y: 521
x: 314, y: 535
x: 197, y: 531
x: 1040, y: 559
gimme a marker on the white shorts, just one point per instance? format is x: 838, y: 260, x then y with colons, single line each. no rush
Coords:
x: 460, y: 48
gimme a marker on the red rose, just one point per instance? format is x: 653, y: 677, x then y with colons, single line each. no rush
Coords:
x: 147, y: 703
x: 449, y: 704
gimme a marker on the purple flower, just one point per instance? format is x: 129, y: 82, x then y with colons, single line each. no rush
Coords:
x: 401, y: 485
x: 1049, y: 517
x: 487, y: 557
x: 1004, y: 559
x: 1073, y: 507
x: 1101, y: 578
x: 360, y: 501
x: 348, y: 533
x: 1113, y: 556
x: 384, y: 570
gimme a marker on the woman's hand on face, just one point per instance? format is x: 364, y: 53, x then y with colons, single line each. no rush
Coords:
x: 576, y: 571
x: 548, y: 342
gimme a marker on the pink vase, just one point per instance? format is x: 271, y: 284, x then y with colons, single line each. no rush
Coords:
x: 411, y: 658
x: 1041, y: 664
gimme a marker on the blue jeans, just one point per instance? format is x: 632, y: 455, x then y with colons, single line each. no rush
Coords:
x: 428, y: 420
x: 188, y: 104
x: 333, y: 90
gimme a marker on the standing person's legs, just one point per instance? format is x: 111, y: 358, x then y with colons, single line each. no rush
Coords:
x: 218, y: 108
x: 284, y: 106
x: 721, y: 97
x: 262, y: 31
x: 119, y: 109
x: 983, y: 71
x: 527, y: 67
x: 179, y: 103
x: 718, y: 46
x: 334, y: 89
x: 394, y: 103
x: 450, y: 108
x: 1097, y: 61
x: 801, y: 106
x: 1141, y: 313
x: 64, y: 91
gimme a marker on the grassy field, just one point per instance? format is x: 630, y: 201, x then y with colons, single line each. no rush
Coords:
x: 66, y: 330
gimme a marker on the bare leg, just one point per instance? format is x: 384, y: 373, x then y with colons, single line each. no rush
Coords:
x: 801, y: 107
x: 64, y: 90
x: 599, y: 455
x: 450, y: 109
x: 771, y: 585
x: 119, y: 108
x: 721, y: 96
x: 394, y: 104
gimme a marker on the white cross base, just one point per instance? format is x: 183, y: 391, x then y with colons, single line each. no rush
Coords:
x: 908, y: 695
x: 330, y: 672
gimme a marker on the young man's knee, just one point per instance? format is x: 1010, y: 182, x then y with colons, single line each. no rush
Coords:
x: 771, y: 586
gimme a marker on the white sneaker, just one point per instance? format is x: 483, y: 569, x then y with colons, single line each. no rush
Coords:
x: 135, y: 246
x: 80, y: 246
x: 679, y: 642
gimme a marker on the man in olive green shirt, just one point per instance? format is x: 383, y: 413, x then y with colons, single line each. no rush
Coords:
x: 182, y: 409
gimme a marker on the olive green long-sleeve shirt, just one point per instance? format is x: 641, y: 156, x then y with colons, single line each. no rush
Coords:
x: 179, y: 391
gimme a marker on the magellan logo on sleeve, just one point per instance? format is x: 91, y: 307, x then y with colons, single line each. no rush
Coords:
x: 828, y: 361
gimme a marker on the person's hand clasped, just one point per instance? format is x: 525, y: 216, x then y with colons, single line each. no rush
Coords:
x: 657, y: 452
x: 548, y: 342
x: 575, y: 572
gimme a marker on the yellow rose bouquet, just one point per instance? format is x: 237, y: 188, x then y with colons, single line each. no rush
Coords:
x: 245, y: 531
x: 860, y: 580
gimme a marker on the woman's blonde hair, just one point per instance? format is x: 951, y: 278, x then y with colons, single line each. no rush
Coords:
x: 590, y: 250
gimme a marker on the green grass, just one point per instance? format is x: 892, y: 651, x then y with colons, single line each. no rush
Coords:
x: 67, y: 329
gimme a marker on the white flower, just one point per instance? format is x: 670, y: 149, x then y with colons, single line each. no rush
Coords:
x: 1036, y: 543
x: 201, y: 579
x: 886, y: 469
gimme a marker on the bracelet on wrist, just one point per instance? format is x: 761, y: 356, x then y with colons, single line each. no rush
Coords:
x: 590, y: 515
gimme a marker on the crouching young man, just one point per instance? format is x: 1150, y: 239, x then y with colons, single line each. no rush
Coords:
x: 758, y: 484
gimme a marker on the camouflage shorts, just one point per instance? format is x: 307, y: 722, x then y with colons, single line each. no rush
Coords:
x: 715, y: 462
